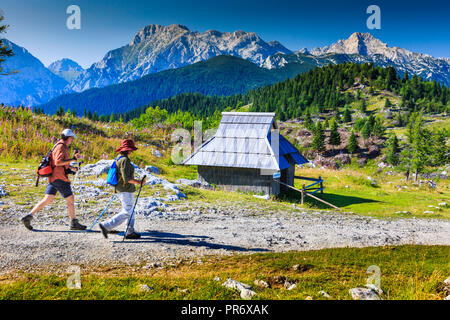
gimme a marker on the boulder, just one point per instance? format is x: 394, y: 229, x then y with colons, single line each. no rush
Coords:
x: 152, y: 169
x: 261, y: 284
x: 364, y: 294
x: 157, y: 153
x: 144, y: 288
x: 236, y: 285
x: 247, y: 294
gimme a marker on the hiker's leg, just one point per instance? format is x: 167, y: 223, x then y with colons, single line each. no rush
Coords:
x: 127, y: 206
x: 48, y: 199
x: 71, y: 206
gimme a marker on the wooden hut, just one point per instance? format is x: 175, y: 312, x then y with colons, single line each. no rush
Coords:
x: 248, y: 154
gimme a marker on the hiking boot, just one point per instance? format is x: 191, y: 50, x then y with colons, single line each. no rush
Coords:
x: 27, y: 221
x: 133, y: 235
x: 104, y: 231
x: 75, y: 225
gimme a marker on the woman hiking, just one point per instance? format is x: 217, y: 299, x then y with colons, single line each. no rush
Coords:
x: 125, y: 187
x: 59, y: 181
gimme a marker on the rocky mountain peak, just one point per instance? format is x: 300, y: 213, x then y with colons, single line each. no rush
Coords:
x: 156, y: 30
x: 358, y: 43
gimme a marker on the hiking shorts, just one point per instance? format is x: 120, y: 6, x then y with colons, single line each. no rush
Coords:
x: 60, y: 186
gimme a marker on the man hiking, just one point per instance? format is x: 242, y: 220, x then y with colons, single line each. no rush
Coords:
x: 125, y: 186
x: 59, y: 181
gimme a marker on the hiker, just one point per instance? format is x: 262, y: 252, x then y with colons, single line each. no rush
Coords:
x: 125, y: 186
x: 59, y: 181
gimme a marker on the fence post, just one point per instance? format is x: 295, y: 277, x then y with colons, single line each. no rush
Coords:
x: 321, y: 185
x: 303, y: 193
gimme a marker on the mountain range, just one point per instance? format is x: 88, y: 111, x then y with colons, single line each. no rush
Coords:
x: 67, y: 69
x: 157, y: 48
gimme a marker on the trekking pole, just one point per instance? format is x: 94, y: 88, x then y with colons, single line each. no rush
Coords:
x: 132, y: 212
x: 101, y: 214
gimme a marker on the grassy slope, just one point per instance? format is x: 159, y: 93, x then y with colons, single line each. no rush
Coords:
x: 407, y: 272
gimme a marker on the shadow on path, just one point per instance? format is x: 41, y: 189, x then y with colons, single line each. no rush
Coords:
x: 185, y: 240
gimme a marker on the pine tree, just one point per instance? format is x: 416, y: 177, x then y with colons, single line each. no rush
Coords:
x: 347, y: 115
x: 387, y: 104
x: 308, y: 122
x: 366, y: 130
x: 393, y: 150
x: 352, y: 143
x: 335, y: 137
x: 378, y: 129
x: 318, y: 142
x: 420, y: 146
x: 363, y: 106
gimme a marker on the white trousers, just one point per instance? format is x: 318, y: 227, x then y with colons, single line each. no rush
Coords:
x: 124, y: 215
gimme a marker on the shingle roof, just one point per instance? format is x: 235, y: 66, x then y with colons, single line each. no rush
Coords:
x: 243, y: 140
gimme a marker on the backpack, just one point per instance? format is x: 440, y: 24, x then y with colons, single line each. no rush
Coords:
x: 112, y: 173
x: 45, y: 168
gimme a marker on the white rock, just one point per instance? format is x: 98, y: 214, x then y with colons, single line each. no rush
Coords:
x: 428, y: 212
x: 157, y: 153
x: 323, y: 293
x: 265, y: 197
x: 247, y: 294
x: 374, y: 288
x: 447, y: 297
x: 144, y: 288
x: 443, y: 204
x: 363, y: 294
x: 292, y: 286
x: 216, y: 278
x: 233, y: 284
x: 261, y: 283
x: 195, y: 183
x: 152, y: 169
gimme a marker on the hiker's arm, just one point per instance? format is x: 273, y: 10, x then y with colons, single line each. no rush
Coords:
x: 138, y: 182
x: 59, y: 157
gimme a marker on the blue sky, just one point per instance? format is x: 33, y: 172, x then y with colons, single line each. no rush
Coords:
x: 40, y: 25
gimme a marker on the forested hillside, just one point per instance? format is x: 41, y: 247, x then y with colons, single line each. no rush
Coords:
x: 326, y: 88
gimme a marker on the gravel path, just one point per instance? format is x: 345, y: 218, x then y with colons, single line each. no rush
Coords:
x: 172, y: 232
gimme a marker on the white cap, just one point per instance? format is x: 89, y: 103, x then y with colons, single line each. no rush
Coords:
x: 69, y: 133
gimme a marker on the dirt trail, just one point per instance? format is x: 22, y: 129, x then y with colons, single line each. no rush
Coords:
x: 174, y: 233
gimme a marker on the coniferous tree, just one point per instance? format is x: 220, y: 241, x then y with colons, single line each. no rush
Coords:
x: 347, y: 115
x: 366, y: 130
x: 393, y: 150
x: 378, y: 129
x: 352, y: 143
x: 318, y: 142
x: 308, y: 122
x: 335, y: 137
